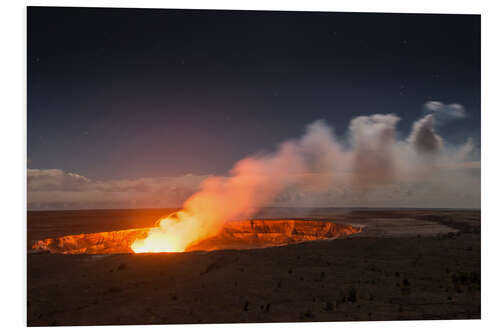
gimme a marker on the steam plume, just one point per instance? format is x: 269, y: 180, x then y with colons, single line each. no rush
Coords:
x: 317, y: 162
x: 423, y: 137
x: 256, y: 181
x: 373, y: 144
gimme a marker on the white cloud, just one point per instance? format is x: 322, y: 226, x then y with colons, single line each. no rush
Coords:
x: 444, y: 113
x: 57, y: 189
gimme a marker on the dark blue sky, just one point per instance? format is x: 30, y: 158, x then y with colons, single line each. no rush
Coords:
x: 124, y: 93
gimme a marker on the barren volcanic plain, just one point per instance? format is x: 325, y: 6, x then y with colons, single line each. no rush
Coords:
x: 404, y: 265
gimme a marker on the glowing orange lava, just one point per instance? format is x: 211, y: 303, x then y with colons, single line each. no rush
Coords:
x: 168, y: 236
x: 171, y: 234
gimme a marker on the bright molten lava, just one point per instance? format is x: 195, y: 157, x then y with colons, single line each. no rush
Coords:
x: 171, y: 234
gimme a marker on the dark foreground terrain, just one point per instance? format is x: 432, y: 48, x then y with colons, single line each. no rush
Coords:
x: 406, y: 264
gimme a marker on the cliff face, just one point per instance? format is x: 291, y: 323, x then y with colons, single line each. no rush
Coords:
x: 95, y: 243
x: 235, y: 235
x: 265, y: 233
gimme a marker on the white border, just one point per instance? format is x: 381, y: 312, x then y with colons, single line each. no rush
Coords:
x: 13, y: 166
x: 425, y: 6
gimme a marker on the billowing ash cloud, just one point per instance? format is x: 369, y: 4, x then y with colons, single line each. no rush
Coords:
x: 375, y: 169
x: 423, y: 137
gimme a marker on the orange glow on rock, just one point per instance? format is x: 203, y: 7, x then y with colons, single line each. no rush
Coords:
x: 174, y: 234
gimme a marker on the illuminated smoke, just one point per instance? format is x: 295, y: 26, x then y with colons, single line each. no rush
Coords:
x: 315, y: 163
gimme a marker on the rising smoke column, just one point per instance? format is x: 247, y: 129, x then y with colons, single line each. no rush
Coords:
x: 255, y: 181
x: 316, y: 162
x: 252, y: 183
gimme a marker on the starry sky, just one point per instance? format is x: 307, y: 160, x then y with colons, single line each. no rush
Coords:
x: 124, y: 93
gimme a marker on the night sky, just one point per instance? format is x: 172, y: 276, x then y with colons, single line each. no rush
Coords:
x: 123, y: 93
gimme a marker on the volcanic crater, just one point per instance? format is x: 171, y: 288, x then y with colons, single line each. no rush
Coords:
x: 256, y: 233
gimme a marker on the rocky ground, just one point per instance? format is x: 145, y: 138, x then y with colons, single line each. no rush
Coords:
x: 406, y: 264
